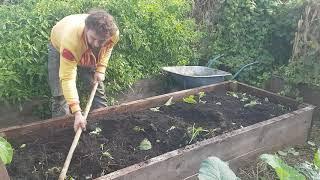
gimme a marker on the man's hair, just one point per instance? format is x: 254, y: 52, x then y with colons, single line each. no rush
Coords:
x: 101, y: 22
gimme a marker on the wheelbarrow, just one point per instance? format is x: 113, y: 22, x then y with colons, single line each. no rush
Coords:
x: 195, y: 76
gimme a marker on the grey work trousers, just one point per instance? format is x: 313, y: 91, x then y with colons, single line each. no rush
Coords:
x: 59, y: 104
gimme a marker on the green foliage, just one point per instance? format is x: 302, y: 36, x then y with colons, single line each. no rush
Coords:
x: 152, y: 34
x: 6, y: 151
x: 316, y: 159
x: 284, y: 171
x: 138, y: 129
x: 252, y: 103
x: 252, y: 30
x: 190, y: 99
x: 214, y: 168
x: 306, y: 71
x: 194, y: 132
x: 304, y: 66
x: 145, y: 145
x: 311, y: 171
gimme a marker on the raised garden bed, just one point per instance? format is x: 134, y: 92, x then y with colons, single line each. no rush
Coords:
x: 235, y: 122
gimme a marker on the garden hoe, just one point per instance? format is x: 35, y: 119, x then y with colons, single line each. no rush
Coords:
x: 77, y: 136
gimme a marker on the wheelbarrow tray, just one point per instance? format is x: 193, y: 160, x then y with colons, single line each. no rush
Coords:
x: 195, y: 76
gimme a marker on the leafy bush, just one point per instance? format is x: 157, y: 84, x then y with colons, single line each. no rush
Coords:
x: 304, y: 67
x: 252, y: 30
x: 153, y: 34
x: 300, y: 172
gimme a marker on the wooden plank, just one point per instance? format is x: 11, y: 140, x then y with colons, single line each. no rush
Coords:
x: 51, y: 125
x: 236, y: 146
x: 263, y: 93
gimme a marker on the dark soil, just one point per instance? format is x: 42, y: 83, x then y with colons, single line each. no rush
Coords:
x: 167, y: 130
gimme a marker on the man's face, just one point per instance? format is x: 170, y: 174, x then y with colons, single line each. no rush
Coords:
x: 94, y: 40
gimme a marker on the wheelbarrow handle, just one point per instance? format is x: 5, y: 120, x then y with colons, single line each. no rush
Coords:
x: 243, y: 67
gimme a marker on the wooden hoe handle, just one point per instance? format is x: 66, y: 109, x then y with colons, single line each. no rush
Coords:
x: 77, y: 136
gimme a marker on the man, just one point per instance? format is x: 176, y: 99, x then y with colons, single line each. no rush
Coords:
x: 85, y: 41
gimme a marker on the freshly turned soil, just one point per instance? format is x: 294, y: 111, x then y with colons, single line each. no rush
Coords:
x: 117, y: 145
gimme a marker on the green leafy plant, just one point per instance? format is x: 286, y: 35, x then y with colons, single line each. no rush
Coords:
x: 311, y: 170
x: 6, y: 151
x: 316, y: 160
x: 284, y: 171
x: 138, y: 129
x: 301, y: 171
x: 190, y: 99
x: 215, y: 168
x: 201, y: 95
x: 247, y: 31
x: 169, y: 102
x: 194, y: 132
x: 97, y: 131
x: 233, y: 94
x: 155, y: 109
x: 252, y: 103
x: 107, y: 154
x: 145, y: 145
x: 23, y: 146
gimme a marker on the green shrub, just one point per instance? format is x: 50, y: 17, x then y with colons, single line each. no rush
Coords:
x: 253, y: 30
x: 153, y: 34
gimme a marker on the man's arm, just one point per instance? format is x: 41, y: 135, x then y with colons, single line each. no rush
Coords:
x: 67, y: 74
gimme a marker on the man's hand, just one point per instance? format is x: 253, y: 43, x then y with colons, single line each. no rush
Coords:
x: 98, y: 77
x: 79, y: 121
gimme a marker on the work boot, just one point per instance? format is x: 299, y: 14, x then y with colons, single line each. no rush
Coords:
x: 59, y: 107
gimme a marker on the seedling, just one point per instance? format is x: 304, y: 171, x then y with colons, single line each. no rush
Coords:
x: 293, y: 152
x: 138, y: 129
x: 107, y: 154
x: 145, y: 145
x: 311, y: 143
x: 101, y: 147
x: 243, y: 99
x: 212, y: 131
x: 171, y: 128
x: 71, y: 178
x: 88, y: 176
x: 233, y: 94
x: 96, y: 131
x: 194, y: 132
x: 22, y: 146
x: 54, y: 170
x: 156, y: 109
x: 201, y: 95
x: 252, y: 103
x: 190, y: 100
x: 282, y: 153
x: 169, y: 102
